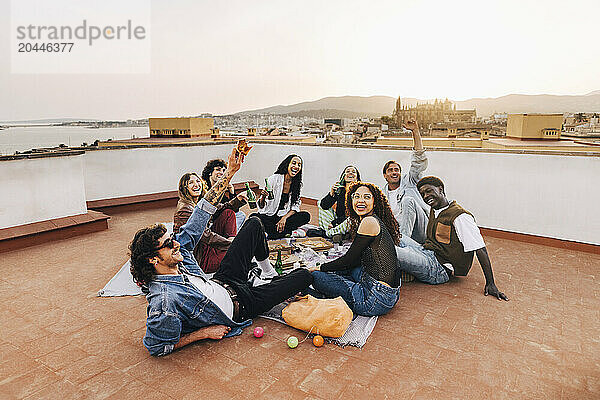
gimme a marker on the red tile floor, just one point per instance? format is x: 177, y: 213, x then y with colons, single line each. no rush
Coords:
x: 58, y: 340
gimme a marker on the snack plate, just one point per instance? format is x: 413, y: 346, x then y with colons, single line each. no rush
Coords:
x: 315, y: 243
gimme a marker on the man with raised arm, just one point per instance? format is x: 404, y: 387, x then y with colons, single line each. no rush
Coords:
x: 184, y: 304
x: 407, y: 205
x: 453, y: 238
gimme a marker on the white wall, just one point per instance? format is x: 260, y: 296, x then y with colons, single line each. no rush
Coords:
x: 119, y: 173
x: 545, y: 195
x: 34, y: 190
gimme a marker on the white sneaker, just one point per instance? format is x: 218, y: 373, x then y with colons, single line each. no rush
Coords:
x: 299, y: 233
x: 268, y: 275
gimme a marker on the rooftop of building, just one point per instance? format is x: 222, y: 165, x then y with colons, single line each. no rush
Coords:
x: 61, y: 341
x: 447, y: 341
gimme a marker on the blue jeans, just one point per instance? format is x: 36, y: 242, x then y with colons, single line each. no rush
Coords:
x: 363, y: 294
x: 419, y: 262
x: 412, y: 220
x: 240, y: 217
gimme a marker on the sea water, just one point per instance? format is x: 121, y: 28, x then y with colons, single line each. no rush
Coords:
x: 26, y: 138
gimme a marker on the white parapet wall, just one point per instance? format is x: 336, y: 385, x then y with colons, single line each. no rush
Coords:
x: 130, y: 172
x: 40, y: 189
x: 539, y: 194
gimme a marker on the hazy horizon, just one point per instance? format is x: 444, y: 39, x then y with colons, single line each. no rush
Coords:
x: 236, y: 56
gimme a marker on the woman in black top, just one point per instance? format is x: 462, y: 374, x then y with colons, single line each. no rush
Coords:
x: 334, y: 223
x: 366, y: 276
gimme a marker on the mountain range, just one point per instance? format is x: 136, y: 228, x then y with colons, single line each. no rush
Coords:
x: 375, y: 106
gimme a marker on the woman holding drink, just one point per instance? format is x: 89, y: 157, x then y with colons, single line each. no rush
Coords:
x: 281, y: 214
x: 333, y: 222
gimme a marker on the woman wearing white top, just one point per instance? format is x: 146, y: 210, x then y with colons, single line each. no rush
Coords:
x: 281, y: 215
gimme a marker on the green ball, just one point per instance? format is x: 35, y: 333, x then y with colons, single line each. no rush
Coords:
x: 292, y: 342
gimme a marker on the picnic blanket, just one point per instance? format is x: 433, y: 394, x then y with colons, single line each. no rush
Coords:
x: 121, y: 284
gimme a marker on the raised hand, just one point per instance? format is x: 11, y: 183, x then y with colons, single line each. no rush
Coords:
x: 234, y: 163
x: 411, y: 125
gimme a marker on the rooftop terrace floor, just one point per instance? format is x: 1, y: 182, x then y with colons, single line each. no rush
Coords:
x: 58, y: 340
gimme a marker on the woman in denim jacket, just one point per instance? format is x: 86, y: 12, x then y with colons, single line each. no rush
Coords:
x: 366, y: 276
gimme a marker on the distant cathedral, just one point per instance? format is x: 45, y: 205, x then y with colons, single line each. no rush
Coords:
x: 436, y: 113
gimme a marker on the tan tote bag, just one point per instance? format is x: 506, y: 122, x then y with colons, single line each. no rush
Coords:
x: 326, y: 317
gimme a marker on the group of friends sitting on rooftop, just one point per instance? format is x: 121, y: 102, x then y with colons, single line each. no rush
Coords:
x: 197, y: 279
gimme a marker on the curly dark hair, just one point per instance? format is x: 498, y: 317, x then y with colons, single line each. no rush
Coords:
x: 430, y: 180
x: 296, y: 185
x: 381, y: 208
x: 210, y: 167
x: 142, y: 248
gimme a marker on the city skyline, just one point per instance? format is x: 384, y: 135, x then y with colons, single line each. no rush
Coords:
x: 231, y: 57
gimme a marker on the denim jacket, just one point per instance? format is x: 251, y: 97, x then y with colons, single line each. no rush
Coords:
x: 175, y: 306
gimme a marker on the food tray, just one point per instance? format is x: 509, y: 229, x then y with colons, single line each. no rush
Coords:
x: 315, y: 243
x: 280, y: 244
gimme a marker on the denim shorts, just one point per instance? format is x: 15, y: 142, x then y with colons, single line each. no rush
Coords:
x: 363, y: 294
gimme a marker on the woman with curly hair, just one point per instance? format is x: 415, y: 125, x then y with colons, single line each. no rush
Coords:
x: 281, y: 215
x: 366, y: 276
x: 217, y: 237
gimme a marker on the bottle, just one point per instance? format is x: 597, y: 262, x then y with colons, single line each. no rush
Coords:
x: 269, y: 190
x: 341, y: 186
x: 251, y: 197
x: 278, y: 263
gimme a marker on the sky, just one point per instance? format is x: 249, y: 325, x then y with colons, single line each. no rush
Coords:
x: 229, y: 56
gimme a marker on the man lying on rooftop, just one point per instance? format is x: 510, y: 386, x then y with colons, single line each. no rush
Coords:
x: 184, y: 305
x: 452, y: 239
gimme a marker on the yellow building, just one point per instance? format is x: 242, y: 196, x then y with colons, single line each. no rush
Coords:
x: 534, y: 126
x: 181, y: 127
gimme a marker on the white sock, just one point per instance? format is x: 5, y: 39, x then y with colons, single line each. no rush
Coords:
x: 267, y: 268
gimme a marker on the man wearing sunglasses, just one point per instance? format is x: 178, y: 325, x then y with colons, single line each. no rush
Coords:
x: 184, y: 305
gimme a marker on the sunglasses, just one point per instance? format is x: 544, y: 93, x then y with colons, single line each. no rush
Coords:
x: 169, y: 242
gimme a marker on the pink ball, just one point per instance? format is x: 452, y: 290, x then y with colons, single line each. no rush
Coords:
x: 258, y: 331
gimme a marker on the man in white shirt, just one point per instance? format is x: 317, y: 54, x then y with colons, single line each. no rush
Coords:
x: 453, y: 238
x: 408, y: 207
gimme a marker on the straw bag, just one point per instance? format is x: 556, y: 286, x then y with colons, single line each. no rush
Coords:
x: 327, y: 317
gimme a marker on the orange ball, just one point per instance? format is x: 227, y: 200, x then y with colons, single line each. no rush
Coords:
x: 318, y: 340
